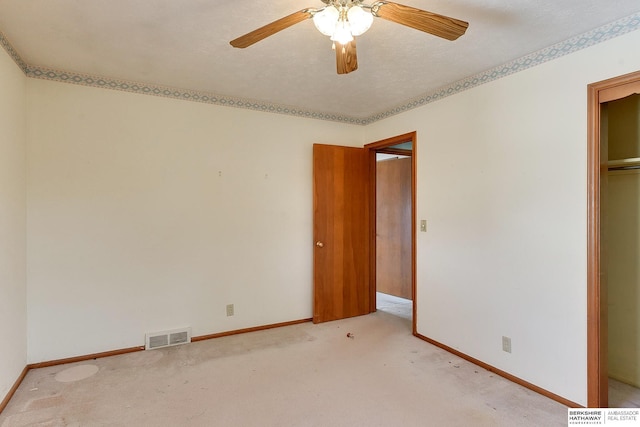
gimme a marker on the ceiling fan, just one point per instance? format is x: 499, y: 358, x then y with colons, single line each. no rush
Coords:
x: 342, y: 20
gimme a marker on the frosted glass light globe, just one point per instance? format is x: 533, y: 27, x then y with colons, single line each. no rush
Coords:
x: 359, y: 20
x: 326, y: 20
x: 342, y: 33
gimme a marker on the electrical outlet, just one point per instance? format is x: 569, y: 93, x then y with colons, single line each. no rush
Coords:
x: 229, y: 309
x: 506, y: 344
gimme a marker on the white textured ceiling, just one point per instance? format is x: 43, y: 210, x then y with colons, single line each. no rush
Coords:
x: 184, y: 44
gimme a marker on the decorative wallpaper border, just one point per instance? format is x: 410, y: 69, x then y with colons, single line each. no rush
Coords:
x: 590, y: 38
x: 12, y: 52
x: 186, y: 95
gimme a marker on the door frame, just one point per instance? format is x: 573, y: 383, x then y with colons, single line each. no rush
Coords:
x: 597, y: 334
x: 373, y: 148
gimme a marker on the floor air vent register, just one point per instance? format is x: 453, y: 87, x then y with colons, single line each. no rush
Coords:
x: 167, y: 338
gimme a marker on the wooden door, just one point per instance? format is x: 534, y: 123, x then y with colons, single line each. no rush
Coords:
x: 341, y: 231
x: 393, y: 227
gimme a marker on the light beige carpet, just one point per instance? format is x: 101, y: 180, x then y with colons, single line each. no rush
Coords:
x: 302, y: 375
x: 623, y: 395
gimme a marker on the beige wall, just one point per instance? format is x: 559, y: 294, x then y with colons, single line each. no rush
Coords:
x: 624, y: 128
x: 502, y: 183
x: 623, y: 243
x: 148, y: 213
x: 13, y: 311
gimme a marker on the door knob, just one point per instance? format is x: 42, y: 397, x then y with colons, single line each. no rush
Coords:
x: 320, y: 244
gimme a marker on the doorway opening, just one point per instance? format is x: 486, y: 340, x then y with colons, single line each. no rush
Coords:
x: 613, y: 279
x: 393, y: 171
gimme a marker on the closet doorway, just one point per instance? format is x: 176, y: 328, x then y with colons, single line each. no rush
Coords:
x: 393, y: 259
x: 613, y: 359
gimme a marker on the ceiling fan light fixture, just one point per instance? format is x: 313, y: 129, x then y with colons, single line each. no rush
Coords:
x: 342, y: 20
x: 326, y: 20
x: 342, y: 34
x: 359, y: 20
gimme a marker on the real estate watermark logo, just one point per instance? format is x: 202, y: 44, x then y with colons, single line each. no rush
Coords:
x: 604, y: 416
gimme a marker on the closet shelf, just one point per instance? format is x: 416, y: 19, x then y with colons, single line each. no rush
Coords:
x: 621, y: 163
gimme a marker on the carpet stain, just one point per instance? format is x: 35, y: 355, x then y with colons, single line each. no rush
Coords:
x: 46, y: 402
x: 76, y: 373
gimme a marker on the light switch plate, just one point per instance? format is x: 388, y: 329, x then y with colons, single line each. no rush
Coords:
x: 423, y: 225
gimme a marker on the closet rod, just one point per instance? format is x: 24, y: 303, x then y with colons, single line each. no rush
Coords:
x: 624, y: 163
x: 623, y: 168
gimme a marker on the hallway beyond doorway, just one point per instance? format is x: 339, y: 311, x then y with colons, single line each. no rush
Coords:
x: 394, y: 305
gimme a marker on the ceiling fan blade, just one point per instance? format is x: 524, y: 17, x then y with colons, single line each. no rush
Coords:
x: 432, y: 23
x: 346, y: 58
x: 270, y: 29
